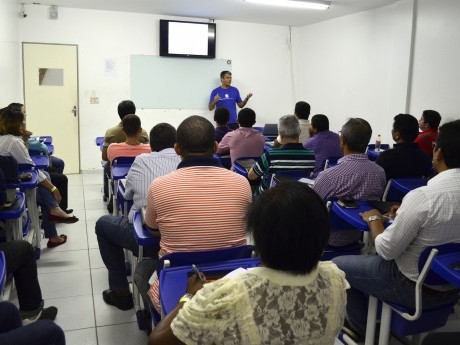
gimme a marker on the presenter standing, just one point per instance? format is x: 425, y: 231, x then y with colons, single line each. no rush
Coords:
x: 227, y: 96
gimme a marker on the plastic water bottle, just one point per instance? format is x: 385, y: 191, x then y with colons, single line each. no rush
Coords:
x: 378, y: 142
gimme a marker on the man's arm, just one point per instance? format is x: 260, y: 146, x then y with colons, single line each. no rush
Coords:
x: 104, y: 154
x: 259, y: 168
x: 213, y: 102
x: 243, y: 103
x: 224, y: 145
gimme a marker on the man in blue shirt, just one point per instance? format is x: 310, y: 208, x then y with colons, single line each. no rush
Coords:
x: 227, y: 96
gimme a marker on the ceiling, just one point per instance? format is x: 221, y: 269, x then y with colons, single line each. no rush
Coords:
x: 229, y: 10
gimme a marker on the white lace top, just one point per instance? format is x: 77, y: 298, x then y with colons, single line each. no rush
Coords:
x: 266, y: 306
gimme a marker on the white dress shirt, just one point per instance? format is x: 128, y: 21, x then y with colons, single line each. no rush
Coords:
x: 145, y: 168
x: 428, y: 216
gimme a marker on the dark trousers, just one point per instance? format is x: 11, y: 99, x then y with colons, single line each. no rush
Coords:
x: 20, y: 261
x: 107, y: 173
x: 41, y: 332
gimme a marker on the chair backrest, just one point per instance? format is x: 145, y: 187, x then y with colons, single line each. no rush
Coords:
x: 432, y: 278
x: 207, y: 256
x: 9, y: 167
x: 123, y: 161
x: 270, y: 130
x: 331, y: 161
x: 396, y: 189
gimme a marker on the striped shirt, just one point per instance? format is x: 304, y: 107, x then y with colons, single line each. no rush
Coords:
x: 428, y: 216
x: 288, y: 157
x: 146, y: 168
x: 200, y: 206
x: 356, y: 177
x: 125, y: 150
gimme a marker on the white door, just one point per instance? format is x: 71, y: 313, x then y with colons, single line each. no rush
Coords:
x: 51, y: 97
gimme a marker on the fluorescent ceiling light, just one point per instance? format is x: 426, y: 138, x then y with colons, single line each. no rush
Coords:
x: 314, y: 4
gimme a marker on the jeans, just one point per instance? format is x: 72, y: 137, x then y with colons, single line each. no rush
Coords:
x: 46, y: 201
x: 41, y: 332
x: 113, y: 235
x: 20, y: 261
x: 107, y: 172
x: 372, y: 275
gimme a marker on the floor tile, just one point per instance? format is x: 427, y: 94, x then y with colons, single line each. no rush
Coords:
x: 86, y: 336
x: 71, y: 260
x: 65, y: 284
x: 74, y: 312
x: 95, y: 214
x: 110, y: 315
x: 99, y: 280
x: 75, y: 179
x: 95, y: 204
x: 91, y: 233
x: 126, y: 333
x: 76, y: 237
x: 95, y: 259
x: 93, y: 179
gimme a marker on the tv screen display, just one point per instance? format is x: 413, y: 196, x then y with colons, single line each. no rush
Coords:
x: 187, y: 39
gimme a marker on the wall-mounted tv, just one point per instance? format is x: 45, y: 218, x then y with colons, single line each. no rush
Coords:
x: 187, y: 39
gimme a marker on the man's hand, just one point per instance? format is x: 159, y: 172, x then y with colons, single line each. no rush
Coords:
x: 216, y: 99
x: 392, y: 213
x: 367, y: 214
x: 249, y: 95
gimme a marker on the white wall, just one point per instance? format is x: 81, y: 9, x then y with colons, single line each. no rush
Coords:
x: 259, y: 54
x: 356, y: 66
x: 436, y: 82
x: 10, y: 59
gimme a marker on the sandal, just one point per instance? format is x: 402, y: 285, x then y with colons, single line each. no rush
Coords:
x: 51, y: 244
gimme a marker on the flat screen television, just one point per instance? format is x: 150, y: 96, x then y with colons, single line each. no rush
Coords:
x: 187, y: 39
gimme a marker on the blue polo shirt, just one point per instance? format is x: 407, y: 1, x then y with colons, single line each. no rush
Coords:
x: 228, y: 99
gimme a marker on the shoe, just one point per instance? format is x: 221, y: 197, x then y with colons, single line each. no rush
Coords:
x: 121, y: 302
x: 65, y: 220
x: 43, y: 314
x: 69, y: 211
x: 57, y: 244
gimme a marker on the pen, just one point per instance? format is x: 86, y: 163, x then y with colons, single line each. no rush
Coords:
x: 198, y: 273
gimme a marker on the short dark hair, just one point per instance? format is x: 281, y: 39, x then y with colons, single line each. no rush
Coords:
x: 449, y: 143
x: 162, y: 136
x: 11, y: 122
x: 223, y: 73
x: 16, y: 106
x: 302, y: 110
x: 221, y: 116
x: 196, y: 137
x: 290, y: 227
x: 432, y: 117
x: 320, y: 122
x: 356, y: 133
x: 126, y: 108
x: 246, y: 117
x: 131, y: 124
x: 407, y: 126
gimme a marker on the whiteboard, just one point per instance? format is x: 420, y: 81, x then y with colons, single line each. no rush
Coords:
x: 174, y: 83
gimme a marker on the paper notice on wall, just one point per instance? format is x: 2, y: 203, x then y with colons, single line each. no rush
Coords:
x: 110, y: 67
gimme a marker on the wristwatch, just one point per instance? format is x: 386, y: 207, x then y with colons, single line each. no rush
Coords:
x: 374, y: 217
x: 186, y: 298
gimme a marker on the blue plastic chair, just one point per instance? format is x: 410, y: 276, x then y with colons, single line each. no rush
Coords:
x: 396, y: 189
x: 119, y: 170
x: 331, y: 161
x: 13, y: 217
x: 408, y: 321
x: 290, y: 175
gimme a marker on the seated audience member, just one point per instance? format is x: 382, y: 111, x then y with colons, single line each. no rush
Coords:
x: 428, y: 216
x: 132, y: 146
x: 221, y: 117
x: 324, y: 143
x: 48, y: 195
x: 267, y: 305
x: 244, y: 141
x: 115, y: 135
x: 428, y: 124
x: 302, y: 111
x: 200, y: 206
x: 354, y: 177
x: 56, y: 166
x: 20, y: 262
x: 42, y: 332
x: 405, y: 159
x: 291, y: 156
x: 115, y: 233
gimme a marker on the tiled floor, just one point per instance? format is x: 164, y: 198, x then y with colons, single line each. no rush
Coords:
x: 72, y: 276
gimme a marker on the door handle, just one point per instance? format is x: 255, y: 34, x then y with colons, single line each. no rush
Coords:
x: 74, y: 110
